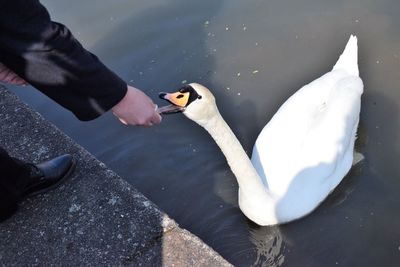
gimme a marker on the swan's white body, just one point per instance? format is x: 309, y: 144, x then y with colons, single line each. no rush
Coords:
x: 302, y: 154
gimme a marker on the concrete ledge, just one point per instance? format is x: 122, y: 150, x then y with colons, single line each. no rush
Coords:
x: 95, y: 218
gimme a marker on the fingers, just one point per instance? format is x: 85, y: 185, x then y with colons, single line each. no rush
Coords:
x: 149, y: 117
x: 136, y: 108
x: 9, y: 77
x: 17, y: 81
x: 123, y: 121
x: 6, y: 76
x: 153, y: 120
x: 156, y: 118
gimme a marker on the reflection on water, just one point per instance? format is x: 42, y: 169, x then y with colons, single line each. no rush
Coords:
x: 253, y: 54
x: 268, y: 242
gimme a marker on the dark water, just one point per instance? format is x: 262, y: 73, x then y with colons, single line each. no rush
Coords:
x: 276, y: 46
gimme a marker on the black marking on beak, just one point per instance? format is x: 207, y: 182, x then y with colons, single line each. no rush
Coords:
x: 170, y: 109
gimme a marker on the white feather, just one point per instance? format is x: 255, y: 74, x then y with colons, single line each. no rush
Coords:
x: 305, y: 150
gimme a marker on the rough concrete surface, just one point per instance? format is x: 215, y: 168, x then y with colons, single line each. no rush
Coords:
x: 95, y: 218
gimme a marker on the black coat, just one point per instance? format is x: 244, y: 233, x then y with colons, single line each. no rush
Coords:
x: 48, y: 57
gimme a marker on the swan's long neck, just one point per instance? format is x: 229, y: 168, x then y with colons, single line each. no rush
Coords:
x: 246, y: 175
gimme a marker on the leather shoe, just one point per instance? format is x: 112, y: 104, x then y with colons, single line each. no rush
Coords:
x: 48, y: 175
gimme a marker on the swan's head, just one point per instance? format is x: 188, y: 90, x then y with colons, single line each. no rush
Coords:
x: 194, y: 100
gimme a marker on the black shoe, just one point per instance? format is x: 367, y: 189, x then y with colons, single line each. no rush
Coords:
x: 48, y: 175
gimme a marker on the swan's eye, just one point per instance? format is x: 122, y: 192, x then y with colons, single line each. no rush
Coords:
x: 199, y: 97
x: 186, y: 89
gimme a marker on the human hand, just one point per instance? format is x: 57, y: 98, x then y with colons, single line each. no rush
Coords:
x: 9, y: 77
x: 136, y: 108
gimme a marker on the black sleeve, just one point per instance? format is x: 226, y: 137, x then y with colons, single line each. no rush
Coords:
x: 47, y: 56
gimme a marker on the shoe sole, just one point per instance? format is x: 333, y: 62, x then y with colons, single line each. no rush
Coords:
x: 47, y: 189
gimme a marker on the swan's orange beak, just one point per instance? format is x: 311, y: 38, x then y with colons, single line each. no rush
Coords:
x: 178, y: 102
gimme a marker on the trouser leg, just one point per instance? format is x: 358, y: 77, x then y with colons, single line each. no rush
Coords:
x: 14, y: 176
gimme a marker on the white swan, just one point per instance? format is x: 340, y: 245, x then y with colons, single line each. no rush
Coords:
x: 301, y: 155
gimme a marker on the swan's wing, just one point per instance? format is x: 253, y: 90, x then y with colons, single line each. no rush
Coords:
x: 310, y: 139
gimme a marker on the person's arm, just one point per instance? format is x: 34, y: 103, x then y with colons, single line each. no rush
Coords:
x: 46, y: 55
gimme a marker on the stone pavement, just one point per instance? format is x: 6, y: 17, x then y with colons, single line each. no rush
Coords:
x: 95, y: 218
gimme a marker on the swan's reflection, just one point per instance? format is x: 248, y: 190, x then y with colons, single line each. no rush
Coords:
x: 268, y: 242
x: 265, y: 242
